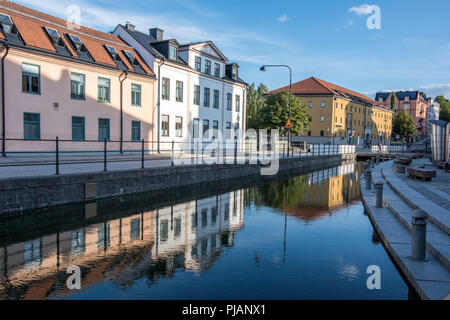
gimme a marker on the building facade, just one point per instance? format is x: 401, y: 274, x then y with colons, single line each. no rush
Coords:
x: 75, y: 83
x: 342, y: 114
x: 414, y: 102
x: 199, y: 92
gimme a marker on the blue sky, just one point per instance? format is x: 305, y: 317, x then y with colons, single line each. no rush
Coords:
x: 325, y: 39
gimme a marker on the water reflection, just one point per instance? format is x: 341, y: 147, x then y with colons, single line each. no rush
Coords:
x: 125, y: 248
x: 312, y: 196
x: 150, y: 244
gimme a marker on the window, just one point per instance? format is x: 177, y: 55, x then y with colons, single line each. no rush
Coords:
x: 135, y: 130
x: 165, y: 125
x: 135, y: 229
x: 206, y: 101
x: 323, y: 104
x: 216, y: 98
x: 55, y: 37
x: 77, y: 86
x: 179, y: 127
x: 76, y: 39
x: 310, y: 104
x: 228, y: 129
x: 165, y: 88
x: 103, y: 129
x: 197, y: 95
x: 78, y: 128
x: 406, y: 107
x: 198, y: 64
x: 215, y: 128
x: 217, y: 70
x: 322, y: 133
x: 179, y: 93
x: 104, y: 90
x: 238, y: 103
x: 229, y: 101
x: 6, y: 23
x: 309, y: 133
x: 31, y: 126
x: 173, y: 53
x: 322, y: 119
x: 206, y: 129
x: 195, y: 128
x: 407, y: 98
x: 208, y: 67
x: 31, y: 78
x: 111, y: 50
x: 136, y: 95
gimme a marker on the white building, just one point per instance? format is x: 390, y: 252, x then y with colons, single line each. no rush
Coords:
x: 198, y: 89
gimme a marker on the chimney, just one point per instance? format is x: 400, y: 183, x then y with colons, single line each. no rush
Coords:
x: 157, y: 33
x: 130, y: 26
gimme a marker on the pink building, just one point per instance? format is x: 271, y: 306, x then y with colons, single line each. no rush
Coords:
x: 415, y: 102
x: 78, y: 84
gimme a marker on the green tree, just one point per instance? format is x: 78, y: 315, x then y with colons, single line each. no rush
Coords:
x: 275, y: 114
x: 393, y: 97
x: 255, y: 102
x: 404, y: 125
x: 445, y: 108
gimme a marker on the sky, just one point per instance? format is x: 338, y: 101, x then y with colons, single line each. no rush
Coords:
x: 363, y: 46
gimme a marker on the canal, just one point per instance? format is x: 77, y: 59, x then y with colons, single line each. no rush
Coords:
x: 302, y: 237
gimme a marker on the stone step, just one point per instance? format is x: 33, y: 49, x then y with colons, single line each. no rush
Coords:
x: 430, y: 279
x: 438, y: 243
x: 436, y: 214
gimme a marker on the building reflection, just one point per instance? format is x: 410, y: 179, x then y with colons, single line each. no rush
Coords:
x: 311, y: 196
x: 153, y: 244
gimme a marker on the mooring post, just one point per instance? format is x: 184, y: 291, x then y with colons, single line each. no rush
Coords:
x: 372, y: 162
x: 104, y: 155
x: 418, y: 235
x: 365, y: 167
x: 368, y: 179
x: 379, y: 194
x: 173, y: 153
x: 377, y: 160
x: 143, y: 154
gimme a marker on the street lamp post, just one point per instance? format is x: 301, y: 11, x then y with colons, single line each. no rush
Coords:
x: 263, y: 68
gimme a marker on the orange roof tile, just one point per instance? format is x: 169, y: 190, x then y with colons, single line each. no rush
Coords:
x: 314, y: 86
x: 31, y: 23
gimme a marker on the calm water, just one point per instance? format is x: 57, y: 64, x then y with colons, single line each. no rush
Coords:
x: 302, y: 238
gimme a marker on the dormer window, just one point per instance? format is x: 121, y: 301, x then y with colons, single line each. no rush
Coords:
x: 7, y: 24
x: 55, y: 36
x: 173, y: 52
x: 113, y: 52
x: 407, y: 98
x: 234, y: 73
x: 134, y: 62
x: 77, y: 42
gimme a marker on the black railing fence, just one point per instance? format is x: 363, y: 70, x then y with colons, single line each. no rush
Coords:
x: 59, y: 152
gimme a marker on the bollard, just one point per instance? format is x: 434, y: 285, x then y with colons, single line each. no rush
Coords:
x: 365, y: 167
x: 379, y: 194
x: 418, y: 235
x: 372, y: 162
x: 377, y: 160
x: 57, y: 156
x: 368, y: 179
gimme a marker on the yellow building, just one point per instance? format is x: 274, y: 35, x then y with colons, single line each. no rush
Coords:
x: 340, y: 112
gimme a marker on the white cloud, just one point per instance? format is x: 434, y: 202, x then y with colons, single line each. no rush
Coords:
x: 362, y: 10
x: 283, y: 18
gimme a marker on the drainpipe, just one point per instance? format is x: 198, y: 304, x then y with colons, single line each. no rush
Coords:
x: 121, y: 79
x: 3, y: 103
x: 159, y: 103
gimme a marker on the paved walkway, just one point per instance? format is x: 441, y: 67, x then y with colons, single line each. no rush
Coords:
x: 431, y: 279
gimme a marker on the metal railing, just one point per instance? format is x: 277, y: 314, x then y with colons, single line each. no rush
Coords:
x: 59, y: 152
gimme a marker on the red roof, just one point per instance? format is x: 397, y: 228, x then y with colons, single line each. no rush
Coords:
x: 30, y: 24
x: 314, y: 86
